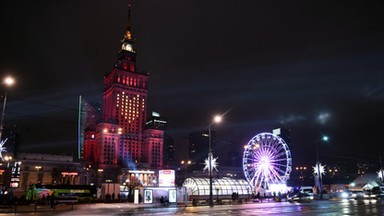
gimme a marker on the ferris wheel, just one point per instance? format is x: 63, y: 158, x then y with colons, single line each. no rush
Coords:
x: 267, y: 161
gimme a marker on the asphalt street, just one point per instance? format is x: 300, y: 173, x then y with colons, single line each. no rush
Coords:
x: 316, y: 207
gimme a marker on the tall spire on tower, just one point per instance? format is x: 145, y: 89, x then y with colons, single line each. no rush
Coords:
x: 127, y: 41
x: 128, y: 35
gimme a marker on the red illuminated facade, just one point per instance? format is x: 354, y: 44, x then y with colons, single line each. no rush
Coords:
x: 89, y: 148
x: 153, y: 147
x: 154, y: 140
x: 122, y: 139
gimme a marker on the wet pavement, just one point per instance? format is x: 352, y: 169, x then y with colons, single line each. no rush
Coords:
x: 315, y: 207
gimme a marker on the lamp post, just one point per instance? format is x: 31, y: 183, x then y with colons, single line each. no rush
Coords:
x: 98, y: 179
x: 381, y: 175
x: 320, y: 177
x: 217, y: 119
x: 319, y: 173
x: 183, y: 171
x: 8, y: 81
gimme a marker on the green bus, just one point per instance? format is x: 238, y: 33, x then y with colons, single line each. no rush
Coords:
x: 63, y: 193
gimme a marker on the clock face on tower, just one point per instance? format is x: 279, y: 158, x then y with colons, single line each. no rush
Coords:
x: 127, y: 47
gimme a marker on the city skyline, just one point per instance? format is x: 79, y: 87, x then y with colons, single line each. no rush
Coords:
x: 313, y: 68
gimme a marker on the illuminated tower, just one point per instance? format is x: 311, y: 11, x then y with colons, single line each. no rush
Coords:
x: 123, y: 140
x: 125, y: 104
x: 118, y: 139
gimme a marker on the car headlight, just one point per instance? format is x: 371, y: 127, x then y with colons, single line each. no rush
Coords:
x: 344, y: 195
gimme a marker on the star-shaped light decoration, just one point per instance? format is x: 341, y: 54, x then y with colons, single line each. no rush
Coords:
x: 2, y: 148
x: 380, y: 174
x: 316, y: 169
x: 214, y: 164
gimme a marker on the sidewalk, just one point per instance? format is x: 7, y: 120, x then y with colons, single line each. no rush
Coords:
x: 61, y: 208
x: 32, y: 208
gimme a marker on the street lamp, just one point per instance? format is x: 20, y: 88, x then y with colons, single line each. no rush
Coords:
x: 8, y: 81
x: 318, y: 166
x: 216, y: 119
x: 98, y: 179
x: 325, y: 138
x: 183, y: 171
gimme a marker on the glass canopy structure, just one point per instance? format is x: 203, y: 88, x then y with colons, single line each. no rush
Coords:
x: 221, y: 187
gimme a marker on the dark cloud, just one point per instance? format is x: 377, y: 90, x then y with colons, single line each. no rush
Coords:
x: 269, y: 63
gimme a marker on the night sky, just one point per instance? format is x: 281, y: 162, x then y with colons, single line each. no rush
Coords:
x: 314, y: 67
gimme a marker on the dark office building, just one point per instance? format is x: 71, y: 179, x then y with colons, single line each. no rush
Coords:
x: 199, y: 147
x: 169, y: 150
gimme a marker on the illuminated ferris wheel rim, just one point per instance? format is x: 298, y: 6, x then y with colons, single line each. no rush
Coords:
x: 266, y: 160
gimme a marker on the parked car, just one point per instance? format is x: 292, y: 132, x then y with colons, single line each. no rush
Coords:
x: 375, y: 193
x: 356, y: 194
x: 307, y: 189
x: 299, y: 197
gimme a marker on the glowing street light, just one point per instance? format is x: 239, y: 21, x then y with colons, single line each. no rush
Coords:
x: 8, y: 81
x: 211, y: 161
x: 217, y: 119
x: 7, y: 158
x: 325, y: 138
x: 186, y: 162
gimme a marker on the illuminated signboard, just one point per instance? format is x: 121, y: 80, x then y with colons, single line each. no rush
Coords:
x: 172, y: 195
x: 15, y: 178
x: 148, y: 196
x: 276, y: 131
x: 167, y: 178
x: 136, y: 196
x: 68, y: 173
x: 14, y: 184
